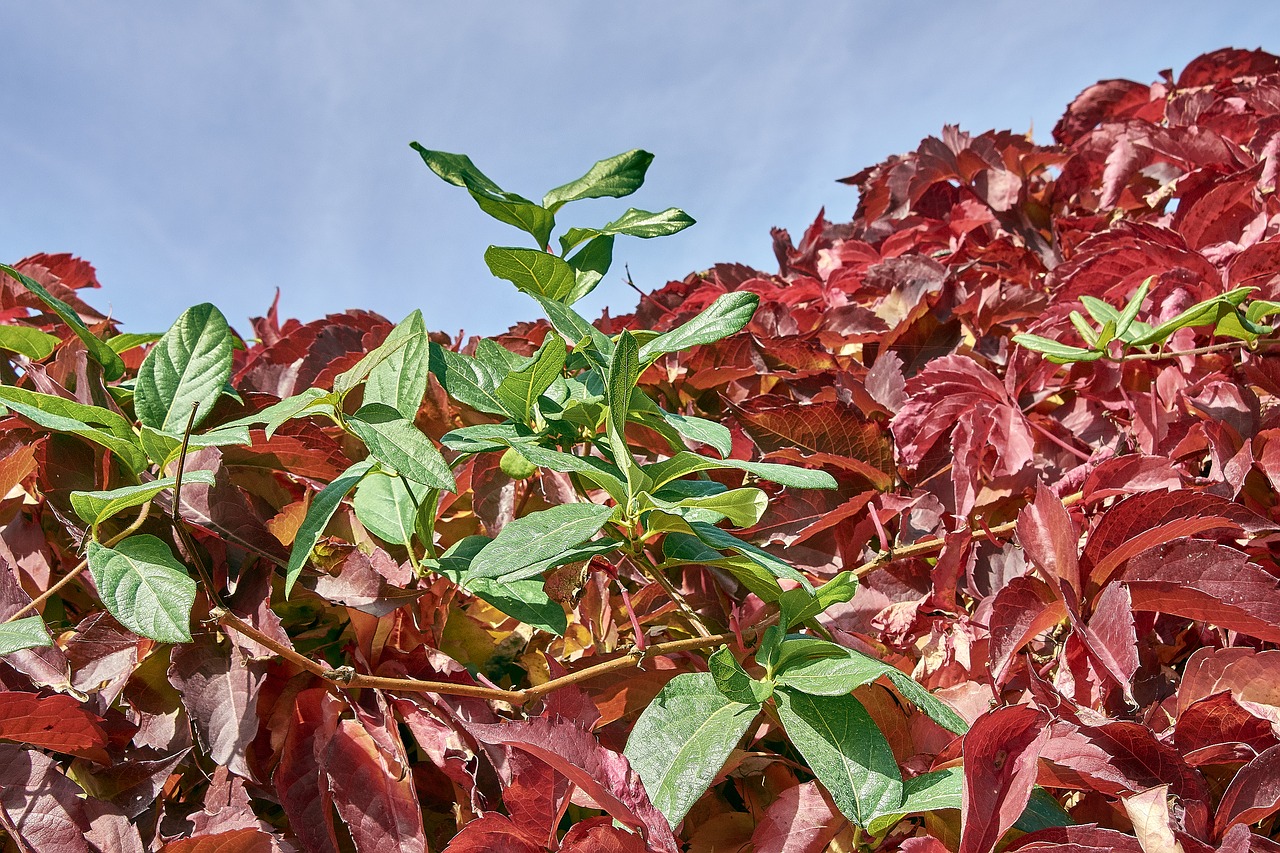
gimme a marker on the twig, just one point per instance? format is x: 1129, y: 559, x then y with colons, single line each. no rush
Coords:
x: 80, y: 567
x: 1204, y: 350
x: 648, y: 567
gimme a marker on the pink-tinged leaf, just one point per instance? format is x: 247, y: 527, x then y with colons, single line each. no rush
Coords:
x: 235, y: 841
x: 1050, y: 538
x: 103, y: 656
x: 1238, y: 839
x: 373, y: 792
x: 1025, y: 608
x: 604, y: 775
x: 800, y: 820
x: 1254, y: 793
x: 1087, y: 838
x: 299, y: 777
x: 226, y: 806
x: 1220, y: 720
x: 1209, y: 582
x: 1156, y: 518
x: 1127, y: 475
x: 43, y: 805
x: 599, y: 835
x: 219, y: 688
x: 59, y: 723
x: 131, y: 784
x: 494, y: 833
x: 922, y: 844
x: 536, y: 794
x: 1253, y: 678
x: 1148, y: 811
x: 1112, y: 638
x: 1000, y: 753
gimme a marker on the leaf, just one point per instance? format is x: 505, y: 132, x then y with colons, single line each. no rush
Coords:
x: 1056, y: 352
x: 1253, y: 794
x: 1000, y: 752
x: 845, y: 750
x: 506, y: 207
x: 1208, y: 312
x: 624, y: 371
x: 701, y: 431
x: 389, y: 508
x: 466, y: 380
x: 604, y: 775
x: 186, y: 369
x: 682, y: 739
x: 633, y: 223
x: 24, y: 340
x: 112, y: 366
x: 800, y: 820
x: 797, y: 605
x: 99, y: 425
x: 933, y: 708
x: 722, y: 318
x: 590, y: 263
x: 532, y: 271
x: 1148, y: 811
x: 1049, y: 537
x: 573, y: 327
x: 394, y: 441
x: 144, y: 587
x: 219, y: 690
x: 373, y: 790
x: 518, y: 549
x: 526, y: 600
x: 743, y: 507
x: 322, y: 508
x: 833, y: 671
x: 400, y: 379
x: 57, y: 722
x: 599, y: 835
x: 928, y: 792
x: 685, y: 463
x: 614, y: 177
x: 96, y: 507
x: 520, y: 389
x: 244, y: 840
x: 26, y: 633
x: 732, y: 680
x: 299, y: 778
x: 43, y: 805
x: 310, y: 402
x: 495, y: 833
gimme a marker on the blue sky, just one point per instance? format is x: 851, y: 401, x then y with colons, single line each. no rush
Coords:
x: 215, y: 151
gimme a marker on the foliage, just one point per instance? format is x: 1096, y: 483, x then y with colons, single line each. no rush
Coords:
x: 893, y: 549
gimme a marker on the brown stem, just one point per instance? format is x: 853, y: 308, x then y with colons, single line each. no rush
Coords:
x: 80, y: 567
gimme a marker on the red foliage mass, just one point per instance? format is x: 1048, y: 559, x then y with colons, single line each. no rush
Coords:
x: 1105, y: 612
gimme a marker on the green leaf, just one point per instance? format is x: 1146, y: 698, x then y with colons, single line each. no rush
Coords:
x: 1124, y: 321
x: 162, y: 448
x: 523, y: 544
x: 820, y: 671
x: 682, y: 739
x: 532, y: 271
x: 1087, y: 332
x: 126, y: 341
x: 732, y: 680
x: 928, y: 792
x: 96, y: 507
x: 26, y: 633
x: 144, y: 587
x: 633, y: 223
x: 721, y: 540
x: 520, y: 389
x: 845, y: 750
x: 615, y: 177
x: 24, y: 340
x: 1056, y: 352
x: 743, y: 507
x: 322, y: 508
x: 796, y: 605
x: 1100, y: 311
x: 701, y: 431
x: 684, y: 463
x: 722, y: 318
x: 589, y: 266
x: 101, y: 426
x: 933, y: 708
x: 310, y: 402
x: 485, y: 438
x: 395, y: 442
x: 575, y: 328
x: 389, y: 508
x: 466, y: 380
x: 394, y: 373
x: 506, y: 207
x: 112, y: 366
x: 600, y: 473
x: 624, y: 372
x: 1208, y: 312
x: 525, y: 600
x: 1042, y: 812
x: 186, y: 368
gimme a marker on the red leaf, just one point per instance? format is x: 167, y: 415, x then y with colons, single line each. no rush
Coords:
x: 775, y: 423
x: 1254, y: 793
x: 599, y: 835
x: 299, y: 777
x: 1050, y: 538
x: 236, y: 841
x: 56, y: 722
x: 604, y: 775
x: 1021, y: 611
x: 1088, y: 838
x: 1220, y: 720
x: 800, y: 820
x: 536, y: 794
x: 373, y: 792
x: 1000, y: 753
x: 494, y: 833
x: 1209, y: 582
x: 219, y: 688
